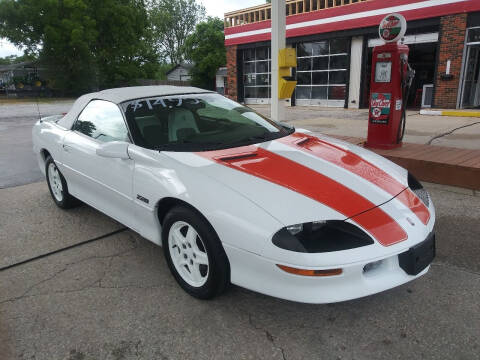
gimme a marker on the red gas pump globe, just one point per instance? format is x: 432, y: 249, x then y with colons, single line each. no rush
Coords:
x: 392, y: 28
x: 389, y: 69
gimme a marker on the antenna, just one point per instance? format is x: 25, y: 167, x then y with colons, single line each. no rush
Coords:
x: 38, y: 108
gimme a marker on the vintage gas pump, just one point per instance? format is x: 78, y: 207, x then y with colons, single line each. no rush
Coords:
x: 390, y: 85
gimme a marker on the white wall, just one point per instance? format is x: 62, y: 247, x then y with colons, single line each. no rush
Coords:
x: 355, y: 72
x: 179, y: 74
x: 220, y: 81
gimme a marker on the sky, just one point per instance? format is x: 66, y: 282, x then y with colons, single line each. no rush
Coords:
x: 218, y: 8
x: 213, y: 7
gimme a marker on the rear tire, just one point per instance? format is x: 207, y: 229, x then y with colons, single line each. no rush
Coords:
x: 58, y: 186
x: 194, y: 253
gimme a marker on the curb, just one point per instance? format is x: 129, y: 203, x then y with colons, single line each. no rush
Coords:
x: 450, y: 113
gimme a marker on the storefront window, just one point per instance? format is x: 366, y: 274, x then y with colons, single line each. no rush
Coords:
x: 322, y: 69
x: 256, y: 73
x: 473, y: 35
x: 471, y: 77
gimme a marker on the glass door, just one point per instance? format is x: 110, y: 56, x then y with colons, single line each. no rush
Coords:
x: 322, y: 70
x: 256, y: 75
x: 471, y: 84
x: 471, y: 76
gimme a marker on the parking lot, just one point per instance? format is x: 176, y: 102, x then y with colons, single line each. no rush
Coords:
x: 114, y: 298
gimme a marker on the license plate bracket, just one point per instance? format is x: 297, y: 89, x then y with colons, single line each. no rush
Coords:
x: 418, y: 257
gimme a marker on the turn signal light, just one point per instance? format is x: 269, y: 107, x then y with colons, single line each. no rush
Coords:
x: 305, y: 272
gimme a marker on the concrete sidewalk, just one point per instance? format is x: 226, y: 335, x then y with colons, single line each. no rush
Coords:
x: 420, y: 129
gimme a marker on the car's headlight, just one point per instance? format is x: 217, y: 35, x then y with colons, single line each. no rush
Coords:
x: 321, y: 236
x: 418, y: 189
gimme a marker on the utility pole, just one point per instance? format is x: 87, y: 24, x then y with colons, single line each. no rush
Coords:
x: 278, y: 42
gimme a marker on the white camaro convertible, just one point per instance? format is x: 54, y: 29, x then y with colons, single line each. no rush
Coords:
x: 236, y: 197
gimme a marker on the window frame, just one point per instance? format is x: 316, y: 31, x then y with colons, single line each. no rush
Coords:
x: 129, y: 134
x: 329, y: 71
x: 268, y: 73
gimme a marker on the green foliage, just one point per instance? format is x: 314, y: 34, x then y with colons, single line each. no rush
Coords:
x: 206, y: 49
x: 171, y: 23
x: 162, y: 70
x: 122, y: 49
x: 14, y: 59
x: 87, y: 44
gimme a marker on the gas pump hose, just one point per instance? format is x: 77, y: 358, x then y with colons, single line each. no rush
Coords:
x: 406, y: 86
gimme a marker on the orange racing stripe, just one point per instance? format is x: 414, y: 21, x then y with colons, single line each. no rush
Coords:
x: 361, y: 167
x: 287, y: 173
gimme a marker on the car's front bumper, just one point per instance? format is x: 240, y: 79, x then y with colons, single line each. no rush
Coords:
x: 261, y: 274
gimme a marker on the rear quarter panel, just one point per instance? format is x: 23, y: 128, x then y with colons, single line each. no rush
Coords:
x: 47, y: 135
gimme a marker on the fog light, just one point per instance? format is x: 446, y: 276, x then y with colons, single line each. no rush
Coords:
x: 305, y: 272
x: 372, y: 266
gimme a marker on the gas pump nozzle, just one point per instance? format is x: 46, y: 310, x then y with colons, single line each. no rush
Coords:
x: 410, y: 75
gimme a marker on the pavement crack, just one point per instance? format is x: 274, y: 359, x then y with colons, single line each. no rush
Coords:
x: 93, y: 285
x: 26, y: 293
x: 429, y: 142
x: 269, y: 337
x: 23, y: 262
x: 105, y: 271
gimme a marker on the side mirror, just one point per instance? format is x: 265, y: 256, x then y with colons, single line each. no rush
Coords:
x: 114, y: 149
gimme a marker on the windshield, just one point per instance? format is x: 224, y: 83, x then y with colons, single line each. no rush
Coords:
x: 197, y: 122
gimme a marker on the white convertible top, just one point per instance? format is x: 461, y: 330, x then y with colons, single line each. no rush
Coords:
x: 120, y: 95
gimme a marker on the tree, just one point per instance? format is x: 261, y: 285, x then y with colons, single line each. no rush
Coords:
x: 86, y: 43
x: 123, y: 50
x: 14, y: 59
x: 61, y: 32
x: 206, y: 48
x: 171, y: 22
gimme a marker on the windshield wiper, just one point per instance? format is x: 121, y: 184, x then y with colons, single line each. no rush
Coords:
x: 289, y: 127
x: 265, y: 136
x: 251, y: 140
x: 187, y: 145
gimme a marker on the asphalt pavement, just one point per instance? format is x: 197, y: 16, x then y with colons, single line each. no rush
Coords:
x: 17, y: 163
x: 114, y: 298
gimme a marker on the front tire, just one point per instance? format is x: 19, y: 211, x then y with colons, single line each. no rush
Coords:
x: 58, y: 186
x: 194, y: 253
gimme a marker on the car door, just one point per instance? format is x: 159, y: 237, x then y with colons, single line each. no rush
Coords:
x: 102, y: 182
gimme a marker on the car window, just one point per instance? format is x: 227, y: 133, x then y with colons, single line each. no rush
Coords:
x: 197, y: 122
x: 103, y: 121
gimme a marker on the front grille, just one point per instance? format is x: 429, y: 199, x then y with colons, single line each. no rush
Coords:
x: 423, y: 195
x: 418, y: 189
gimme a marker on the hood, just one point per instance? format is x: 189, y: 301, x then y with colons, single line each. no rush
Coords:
x: 301, y: 178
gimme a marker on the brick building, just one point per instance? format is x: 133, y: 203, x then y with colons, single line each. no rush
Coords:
x: 334, y: 40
